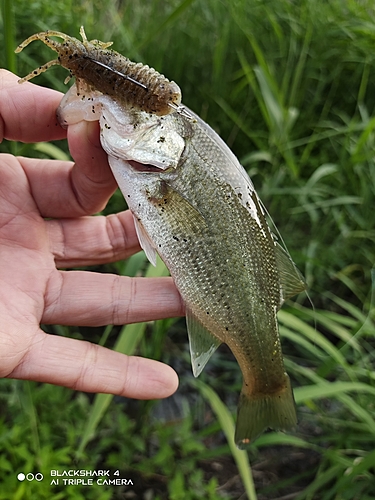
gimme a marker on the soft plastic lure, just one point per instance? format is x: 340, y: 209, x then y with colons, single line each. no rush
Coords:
x: 96, y: 67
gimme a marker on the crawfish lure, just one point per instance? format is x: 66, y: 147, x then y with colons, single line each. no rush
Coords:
x: 96, y: 67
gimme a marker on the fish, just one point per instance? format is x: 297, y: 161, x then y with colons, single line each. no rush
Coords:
x: 195, y: 206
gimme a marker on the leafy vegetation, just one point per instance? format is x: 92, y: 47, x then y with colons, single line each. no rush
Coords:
x: 290, y: 86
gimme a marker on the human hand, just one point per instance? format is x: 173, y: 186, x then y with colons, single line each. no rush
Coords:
x: 45, y: 224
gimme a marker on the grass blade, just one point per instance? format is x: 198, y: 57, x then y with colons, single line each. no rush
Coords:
x: 226, y: 421
x: 9, y: 35
x: 51, y: 151
x: 177, y: 12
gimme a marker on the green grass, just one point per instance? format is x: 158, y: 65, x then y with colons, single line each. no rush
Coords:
x: 290, y: 86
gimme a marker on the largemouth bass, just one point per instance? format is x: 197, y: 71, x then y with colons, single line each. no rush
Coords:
x: 194, y: 205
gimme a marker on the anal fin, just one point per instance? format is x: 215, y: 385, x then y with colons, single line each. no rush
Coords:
x: 202, y: 343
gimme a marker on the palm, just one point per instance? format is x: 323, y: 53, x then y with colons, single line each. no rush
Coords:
x: 27, y: 265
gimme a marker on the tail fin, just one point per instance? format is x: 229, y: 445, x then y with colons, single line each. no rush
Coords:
x: 258, y: 412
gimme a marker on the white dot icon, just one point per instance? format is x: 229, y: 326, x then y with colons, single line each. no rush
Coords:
x: 21, y: 476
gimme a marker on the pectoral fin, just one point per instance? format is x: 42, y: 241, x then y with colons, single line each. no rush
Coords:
x: 176, y: 211
x: 291, y: 280
x: 175, y: 208
x: 202, y: 343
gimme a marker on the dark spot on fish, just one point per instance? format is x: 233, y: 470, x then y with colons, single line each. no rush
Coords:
x: 207, y: 312
x: 227, y: 329
x: 175, y: 238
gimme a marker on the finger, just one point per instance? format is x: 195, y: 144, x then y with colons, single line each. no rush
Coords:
x: 90, y: 241
x: 64, y: 189
x: 94, y: 299
x: 28, y: 114
x: 91, y: 176
x: 88, y: 367
x: 27, y: 111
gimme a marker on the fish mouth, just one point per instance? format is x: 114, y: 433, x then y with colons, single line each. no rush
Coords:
x: 144, y: 167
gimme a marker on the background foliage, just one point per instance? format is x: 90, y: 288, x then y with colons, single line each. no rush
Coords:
x: 290, y: 86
